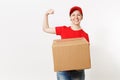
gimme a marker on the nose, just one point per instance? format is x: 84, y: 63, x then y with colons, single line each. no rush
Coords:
x: 76, y: 16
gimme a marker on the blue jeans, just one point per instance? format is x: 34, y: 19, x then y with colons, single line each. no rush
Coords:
x: 71, y: 75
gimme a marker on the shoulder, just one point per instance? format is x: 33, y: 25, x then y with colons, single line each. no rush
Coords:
x: 61, y: 27
x: 84, y: 32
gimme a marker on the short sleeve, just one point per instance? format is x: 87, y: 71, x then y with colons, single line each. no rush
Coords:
x: 86, y: 36
x: 59, y: 30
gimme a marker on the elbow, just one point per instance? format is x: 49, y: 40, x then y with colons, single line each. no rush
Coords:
x: 44, y: 29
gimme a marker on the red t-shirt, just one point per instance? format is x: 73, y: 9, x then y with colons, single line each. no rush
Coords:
x: 66, y: 32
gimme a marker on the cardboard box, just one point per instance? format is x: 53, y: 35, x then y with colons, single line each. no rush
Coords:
x: 71, y: 54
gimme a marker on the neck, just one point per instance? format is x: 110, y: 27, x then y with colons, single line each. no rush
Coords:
x: 76, y: 27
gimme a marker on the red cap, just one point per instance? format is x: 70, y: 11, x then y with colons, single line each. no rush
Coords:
x: 75, y: 8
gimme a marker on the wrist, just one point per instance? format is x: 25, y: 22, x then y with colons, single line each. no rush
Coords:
x: 46, y: 14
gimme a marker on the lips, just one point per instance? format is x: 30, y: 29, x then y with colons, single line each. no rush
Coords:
x: 76, y: 20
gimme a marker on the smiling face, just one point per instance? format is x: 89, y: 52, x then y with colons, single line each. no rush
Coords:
x: 76, y: 17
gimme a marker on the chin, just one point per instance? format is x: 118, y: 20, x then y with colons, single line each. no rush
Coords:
x: 76, y: 23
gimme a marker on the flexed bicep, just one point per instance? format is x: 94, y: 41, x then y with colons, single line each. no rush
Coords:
x: 46, y: 27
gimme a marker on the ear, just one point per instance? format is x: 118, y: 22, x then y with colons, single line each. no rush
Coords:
x: 70, y: 19
x: 82, y: 18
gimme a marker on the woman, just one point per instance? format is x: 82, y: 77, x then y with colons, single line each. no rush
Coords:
x: 73, y: 31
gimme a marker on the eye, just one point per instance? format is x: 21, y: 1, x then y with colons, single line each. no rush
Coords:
x: 73, y: 15
x: 79, y: 15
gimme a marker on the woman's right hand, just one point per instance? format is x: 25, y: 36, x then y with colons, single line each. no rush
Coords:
x: 50, y: 11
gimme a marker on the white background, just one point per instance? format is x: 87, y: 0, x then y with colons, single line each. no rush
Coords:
x: 25, y: 50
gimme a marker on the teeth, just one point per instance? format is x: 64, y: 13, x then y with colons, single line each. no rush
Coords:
x: 76, y: 20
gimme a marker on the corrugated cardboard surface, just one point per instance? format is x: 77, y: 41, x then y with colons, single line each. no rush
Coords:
x: 71, y: 54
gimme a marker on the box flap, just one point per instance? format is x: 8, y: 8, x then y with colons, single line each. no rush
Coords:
x: 70, y: 41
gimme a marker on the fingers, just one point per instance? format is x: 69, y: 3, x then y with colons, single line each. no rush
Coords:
x: 50, y: 11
